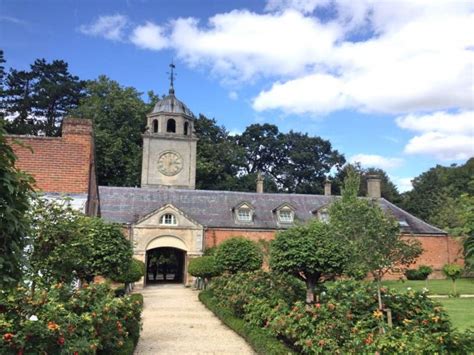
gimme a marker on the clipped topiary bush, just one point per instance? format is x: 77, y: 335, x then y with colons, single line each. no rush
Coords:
x: 421, y: 273
x: 133, y: 273
x: 454, y: 272
x: 205, y: 267
x: 239, y: 254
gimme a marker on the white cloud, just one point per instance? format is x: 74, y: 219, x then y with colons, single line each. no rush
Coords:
x: 377, y: 161
x: 446, y: 136
x: 149, y: 36
x: 403, y: 184
x: 304, y: 6
x: 109, y: 27
x: 233, y: 95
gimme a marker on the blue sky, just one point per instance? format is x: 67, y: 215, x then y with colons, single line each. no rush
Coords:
x: 390, y: 84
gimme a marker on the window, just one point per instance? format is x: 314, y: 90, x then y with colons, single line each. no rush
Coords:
x: 171, y: 126
x: 403, y: 223
x: 244, y: 214
x: 323, y: 215
x: 155, y: 126
x: 168, y: 219
x: 285, y: 216
x: 186, y: 128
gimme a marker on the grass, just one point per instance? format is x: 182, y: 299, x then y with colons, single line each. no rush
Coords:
x: 460, y: 310
x: 436, y: 287
x: 257, y: 338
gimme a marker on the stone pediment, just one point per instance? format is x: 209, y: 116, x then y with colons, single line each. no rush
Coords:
x: 154, y: 219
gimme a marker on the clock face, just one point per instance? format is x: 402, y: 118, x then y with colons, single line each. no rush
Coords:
x: 170, y: 163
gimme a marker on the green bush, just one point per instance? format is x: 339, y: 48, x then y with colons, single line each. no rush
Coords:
x: 205, y: 267
x: 236, y: 291
x: 454, y: 272
x: 133, y: 273
x: 239, y: 254
x: 64, y: 320
x: 421, y: 273
x: 258, y: 339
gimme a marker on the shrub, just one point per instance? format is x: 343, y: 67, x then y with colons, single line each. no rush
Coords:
x: 239, y: 254
x: 133, y: 273
x: 236, y: 291
x: 205, y: 267
x: 454, y: 272
x: 421, y: 273
x: 63, y: 320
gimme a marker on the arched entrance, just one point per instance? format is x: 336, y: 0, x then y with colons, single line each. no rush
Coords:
x: 165, y: 264
x: 165, y: 260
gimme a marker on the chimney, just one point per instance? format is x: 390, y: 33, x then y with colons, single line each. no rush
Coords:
x: 373, y: 186
x: 76, y: 126
x: 327, y: 188
x: 259, y: 183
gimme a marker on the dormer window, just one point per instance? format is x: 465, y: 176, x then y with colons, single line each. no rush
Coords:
x: 323, y: 215
x: 244, y: 212
x: 168, y: 219
x: 403, y: 223
x: 286, y: 216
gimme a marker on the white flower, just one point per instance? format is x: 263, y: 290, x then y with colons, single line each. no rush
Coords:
x: 409, y: 288
x: 33, y: 318
x: 425, y: 290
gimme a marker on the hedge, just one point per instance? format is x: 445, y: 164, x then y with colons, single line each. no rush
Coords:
x: 258, y: 339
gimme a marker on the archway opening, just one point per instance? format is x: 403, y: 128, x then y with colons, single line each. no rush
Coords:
x: 165, y: 265
x: 171, y: 126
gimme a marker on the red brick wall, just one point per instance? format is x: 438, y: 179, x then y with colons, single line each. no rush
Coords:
x: 59, y: 164
x: 437, y: 250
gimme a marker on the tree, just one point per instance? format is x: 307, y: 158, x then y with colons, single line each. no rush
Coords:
x: 119, y: 117
x: 39, y: 99
x: 238, y: 254
x: 2, y: 83
x: 15, y: 194
x: 68, y: 246
x: 388, y: 189
x: 219, y: 158
x: 295, y: 161
x: 132, y: 273
x: 309, y: 252
x: 204, y: 267
x: 454, y: 272
x: 374, y: 236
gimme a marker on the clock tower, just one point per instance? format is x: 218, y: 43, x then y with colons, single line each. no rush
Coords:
x: 169, y: 144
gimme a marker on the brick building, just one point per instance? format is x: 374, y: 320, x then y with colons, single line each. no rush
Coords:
x: 169, y: 222
x: 62, y: 166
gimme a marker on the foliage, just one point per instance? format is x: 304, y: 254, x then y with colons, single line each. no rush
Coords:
x: 64, y: 320
x: 468, y: 246
x: 119, y: 117
x: 133, y: 273
x: 67, y: 245
x: 310, y: 252
x: 389, y: 190
x: 237, y: 291
x: 434, y: 191
x: 261, y: 342
x: 374, y: 236
x: 295, y: 161
x: 421, y: 273
x: 239, y: 254
x: 41, y: 97
x: 454, y: 272
x: 15, y: 195
x: 204, y: 266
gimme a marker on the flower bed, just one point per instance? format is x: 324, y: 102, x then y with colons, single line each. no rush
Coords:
x: 71, y: 321
x: 346, y: 320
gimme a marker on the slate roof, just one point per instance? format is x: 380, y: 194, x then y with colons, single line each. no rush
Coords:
x: 170, y: 103
x: 214, y: 208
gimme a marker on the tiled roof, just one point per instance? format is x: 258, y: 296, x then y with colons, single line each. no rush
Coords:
x: 214, y: 208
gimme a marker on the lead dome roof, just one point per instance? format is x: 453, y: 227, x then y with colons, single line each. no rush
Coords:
x: 171, y: 104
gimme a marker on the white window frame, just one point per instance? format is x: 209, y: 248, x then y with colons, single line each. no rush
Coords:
x: 168, y: 219
x: 244, y: 214
x: 289, y: 218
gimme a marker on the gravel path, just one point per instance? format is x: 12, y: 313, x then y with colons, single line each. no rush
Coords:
x: 176, y: 322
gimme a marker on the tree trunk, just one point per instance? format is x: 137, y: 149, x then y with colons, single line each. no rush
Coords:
x: 309, y: 290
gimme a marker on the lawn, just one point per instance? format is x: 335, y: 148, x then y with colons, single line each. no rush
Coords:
x: 436, y: 287
x: 460, y: 310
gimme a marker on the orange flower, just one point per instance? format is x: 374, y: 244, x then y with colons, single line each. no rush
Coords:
x: 425, y: 322
x: 321, y: 343
x: 53, y: 326
x: 309, y: 343
x: 435, y: 319
x: 331, y: 306
x: 369, y: 340
x: 8, y: 337
x: 377, y: 314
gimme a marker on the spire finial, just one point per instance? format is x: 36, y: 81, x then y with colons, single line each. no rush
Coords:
x: 172, y: 77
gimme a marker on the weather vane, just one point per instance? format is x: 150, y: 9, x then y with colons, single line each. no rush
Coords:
x: 172, y: 76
